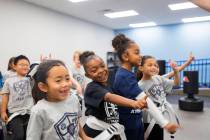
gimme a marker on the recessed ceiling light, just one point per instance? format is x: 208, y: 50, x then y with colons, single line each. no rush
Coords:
x: 180, y: 6
x: 196, y: 19
x: 145, y: 24
x: 121, y: 14
x: 75, y: 1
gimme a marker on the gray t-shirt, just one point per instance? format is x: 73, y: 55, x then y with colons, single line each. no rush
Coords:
x: 79, y: 76
x: 8, y: 74
x: 20, y: 96
x: 55, y: 120
x: 157, y: 87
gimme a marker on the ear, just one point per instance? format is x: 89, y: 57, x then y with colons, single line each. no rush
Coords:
x: 125, y: 56
x: 43, y: 87
x: 140, y: 68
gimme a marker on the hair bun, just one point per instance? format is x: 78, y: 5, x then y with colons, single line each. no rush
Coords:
x: 119, y: 40
x: 85, y: 55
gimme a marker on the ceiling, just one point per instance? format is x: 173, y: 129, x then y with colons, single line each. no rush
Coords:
x: 149, y: 10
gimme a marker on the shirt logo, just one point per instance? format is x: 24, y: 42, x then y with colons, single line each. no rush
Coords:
x: 67, y: 127
x: 111, y: 112
x: 21, y: 87
x: 156, y: 91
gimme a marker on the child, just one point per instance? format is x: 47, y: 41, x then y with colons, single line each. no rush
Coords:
x: 10, y: 69
x: 56, y: 117
x: 126, y: 85
x: 157, y: 86
x: 99, y: 98
x: 78, y: 72
x: 17, y: 99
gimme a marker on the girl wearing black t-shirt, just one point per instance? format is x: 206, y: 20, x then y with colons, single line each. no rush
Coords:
x: 99, y: 99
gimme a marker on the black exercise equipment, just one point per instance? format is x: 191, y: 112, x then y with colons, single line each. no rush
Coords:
x: 191, y: 102
x: 162, y: 67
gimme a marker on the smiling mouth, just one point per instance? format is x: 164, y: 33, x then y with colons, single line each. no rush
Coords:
x: 103, y: 77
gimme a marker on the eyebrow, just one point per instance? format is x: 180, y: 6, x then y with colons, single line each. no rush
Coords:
x: 62, y: 76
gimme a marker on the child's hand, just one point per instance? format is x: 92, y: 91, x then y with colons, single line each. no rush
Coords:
x: 191, y: 58
x: 173, y: 65
x: 171, y: 127
x: 141, y: 103
x: 4, y: 116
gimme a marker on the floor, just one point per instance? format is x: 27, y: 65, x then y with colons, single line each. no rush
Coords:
x: 194, y: 125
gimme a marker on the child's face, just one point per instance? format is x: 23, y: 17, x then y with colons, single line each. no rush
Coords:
x: 96, y: 70
x: 157, y: 69
x: 133, y: 55
x: 150, y: 67
x: 22, y: 67
x: 58, y: 84
x: 12, y: 66
x: 76, y: 60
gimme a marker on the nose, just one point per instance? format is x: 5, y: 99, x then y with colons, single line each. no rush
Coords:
x: 66, y: 83
x: 100, y: 71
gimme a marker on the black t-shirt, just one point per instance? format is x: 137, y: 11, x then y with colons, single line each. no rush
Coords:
x: 95, y: 104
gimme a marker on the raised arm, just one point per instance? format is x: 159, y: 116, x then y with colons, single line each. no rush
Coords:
x: 176, y: 73
x: 182, y: 67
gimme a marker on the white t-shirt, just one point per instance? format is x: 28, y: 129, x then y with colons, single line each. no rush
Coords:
x: 20, y: 96
x: 55, y: 120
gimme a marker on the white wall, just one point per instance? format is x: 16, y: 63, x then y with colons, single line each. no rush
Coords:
x: 31, y: 30
x: 173, y: 41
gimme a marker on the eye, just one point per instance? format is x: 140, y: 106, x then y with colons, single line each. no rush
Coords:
x: 58, y: 81
x: 93, y: 70
x: 67, y: 78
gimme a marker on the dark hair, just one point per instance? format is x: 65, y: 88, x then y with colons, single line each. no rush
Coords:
x: 20, y: 57
x: 144, y: 58
x: 11, y: 61
x: 42, y: 75
x: 86, y: 57
x: 139, y: 74
x: 43, y: 69
x: 121, y: 43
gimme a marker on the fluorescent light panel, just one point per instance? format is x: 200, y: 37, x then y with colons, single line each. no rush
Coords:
x: 75, y: 1
x: 121, y: 14
x: 145, y: 24
x: 196, y: 19
x: 180, y: 6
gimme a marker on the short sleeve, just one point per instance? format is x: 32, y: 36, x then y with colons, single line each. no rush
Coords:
x: 167, y: 84
x: 127, y: 87
x: 94, y: 94
x: 5, y: 89
x: 35, y: 126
